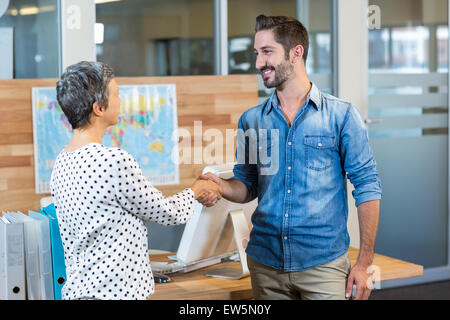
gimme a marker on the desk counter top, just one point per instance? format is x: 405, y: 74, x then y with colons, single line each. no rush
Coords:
x: 196, y: 286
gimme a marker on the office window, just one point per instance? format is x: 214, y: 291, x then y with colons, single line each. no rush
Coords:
x: 442, y: 47
x: 400, y: 49
x: 320, y: 61
x: 29, y: 39
x: 156, y: 37
x: 315, y: 15
x: 379, y: 50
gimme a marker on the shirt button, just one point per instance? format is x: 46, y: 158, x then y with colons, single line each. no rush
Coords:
x: 289, y: 191
x: 285, y: 238
x: 289, y: 143
x: 286, y: 215
x: 319, y: 144
x: 289, y: 168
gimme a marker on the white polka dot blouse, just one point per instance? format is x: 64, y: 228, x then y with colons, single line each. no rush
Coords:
x: 102, y: 202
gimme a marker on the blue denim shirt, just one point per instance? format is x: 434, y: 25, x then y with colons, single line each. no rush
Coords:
x: 299, y: 175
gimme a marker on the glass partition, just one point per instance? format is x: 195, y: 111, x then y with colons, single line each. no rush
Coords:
x: 156, y: 37
x: 29, y: 39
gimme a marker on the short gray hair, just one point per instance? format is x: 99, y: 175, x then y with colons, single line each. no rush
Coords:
x: 81, y: 85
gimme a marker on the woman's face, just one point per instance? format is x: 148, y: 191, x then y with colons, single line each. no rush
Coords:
x: 112, y: 112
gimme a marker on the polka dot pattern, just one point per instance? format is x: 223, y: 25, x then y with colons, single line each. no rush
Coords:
x: 102, y: 202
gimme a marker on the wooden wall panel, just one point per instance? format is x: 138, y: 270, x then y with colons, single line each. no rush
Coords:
x: 217, y: 101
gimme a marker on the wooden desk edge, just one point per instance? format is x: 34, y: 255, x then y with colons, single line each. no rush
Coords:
x: 389, y: 268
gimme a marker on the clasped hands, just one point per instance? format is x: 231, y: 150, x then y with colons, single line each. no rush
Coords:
x: 208, y: 189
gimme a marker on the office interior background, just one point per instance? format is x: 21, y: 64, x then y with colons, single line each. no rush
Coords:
x: 397, y: 73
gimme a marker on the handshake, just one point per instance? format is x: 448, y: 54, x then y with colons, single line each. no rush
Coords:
x: 208, y: 189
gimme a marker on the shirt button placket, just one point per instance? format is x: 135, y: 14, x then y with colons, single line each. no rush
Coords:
x: 287, y: 260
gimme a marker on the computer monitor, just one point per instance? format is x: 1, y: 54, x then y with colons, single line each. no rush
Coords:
x: 209, y: 234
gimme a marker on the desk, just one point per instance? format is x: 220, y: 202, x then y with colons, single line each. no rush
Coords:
x: 195, y: 286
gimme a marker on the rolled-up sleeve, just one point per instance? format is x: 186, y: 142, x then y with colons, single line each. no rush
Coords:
x: 357, y: 158
x: 246, y: 169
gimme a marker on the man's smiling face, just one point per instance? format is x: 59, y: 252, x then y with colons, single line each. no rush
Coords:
x: 271, y: 60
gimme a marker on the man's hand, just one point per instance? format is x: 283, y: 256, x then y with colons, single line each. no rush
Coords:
x: 363, y: 281
x: 212, y: 177
x: 232, y: 189
x: 207, y: 192
x: 368, y: 215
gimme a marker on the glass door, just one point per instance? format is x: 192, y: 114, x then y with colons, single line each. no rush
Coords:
x: 408, y: 128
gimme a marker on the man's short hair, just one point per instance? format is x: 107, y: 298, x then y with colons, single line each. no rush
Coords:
x: 81, y: 85
x: 288, y: 31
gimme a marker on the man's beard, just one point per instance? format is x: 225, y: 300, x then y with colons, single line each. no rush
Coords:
x: 282, y: 73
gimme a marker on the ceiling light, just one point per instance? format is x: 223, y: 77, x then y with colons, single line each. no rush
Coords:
x: 28, y: 11
x: 99, y: 32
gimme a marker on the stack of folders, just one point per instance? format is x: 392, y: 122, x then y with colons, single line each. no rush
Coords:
x: 31, y: 256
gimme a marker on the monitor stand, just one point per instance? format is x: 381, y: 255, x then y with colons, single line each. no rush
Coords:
x: 241, y: 234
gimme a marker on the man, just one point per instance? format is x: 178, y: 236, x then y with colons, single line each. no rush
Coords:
x: 299, y: 241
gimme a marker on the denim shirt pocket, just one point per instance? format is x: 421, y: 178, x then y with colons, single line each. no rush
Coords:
x: 319, y: 152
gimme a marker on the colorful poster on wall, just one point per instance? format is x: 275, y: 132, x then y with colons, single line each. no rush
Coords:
x: 147, y: 120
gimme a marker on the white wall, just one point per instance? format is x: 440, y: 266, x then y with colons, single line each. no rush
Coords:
x: 353, y: 65
x: 77, y: 27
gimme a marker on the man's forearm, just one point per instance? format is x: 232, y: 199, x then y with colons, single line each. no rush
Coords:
x: 235, y: 191
x: 368, y: 215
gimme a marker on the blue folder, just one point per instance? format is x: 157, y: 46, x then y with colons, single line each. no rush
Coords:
x: 59, y: 266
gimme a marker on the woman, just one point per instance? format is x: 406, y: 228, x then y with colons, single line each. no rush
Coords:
x: 103, y: 200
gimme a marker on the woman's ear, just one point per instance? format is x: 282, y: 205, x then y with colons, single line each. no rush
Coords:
x: 97, y: 109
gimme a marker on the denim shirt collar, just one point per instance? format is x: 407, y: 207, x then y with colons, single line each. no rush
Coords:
x: 314, y: 97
